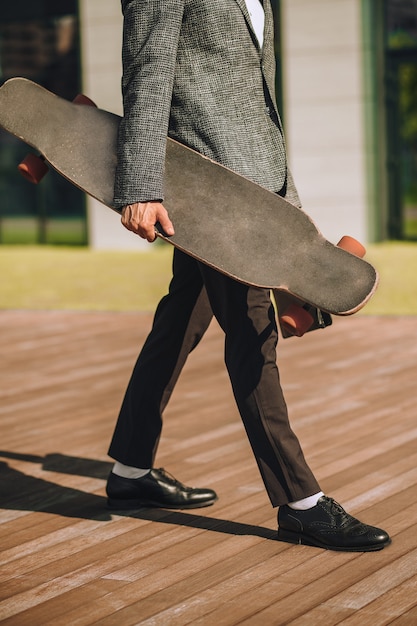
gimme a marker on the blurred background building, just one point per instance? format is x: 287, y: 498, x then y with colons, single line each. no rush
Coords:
x: 347, y: 84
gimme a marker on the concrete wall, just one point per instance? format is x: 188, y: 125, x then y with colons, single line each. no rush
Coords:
x: 101, y: 45
x: 324, y: 111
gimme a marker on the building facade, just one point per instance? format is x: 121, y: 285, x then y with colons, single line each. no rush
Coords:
x: 346, y: 78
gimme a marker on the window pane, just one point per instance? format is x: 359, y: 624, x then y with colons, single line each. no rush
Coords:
x: 401, y: 16
x: 39, y: 41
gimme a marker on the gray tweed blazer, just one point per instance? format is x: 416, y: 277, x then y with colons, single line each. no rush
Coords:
x: 193, y: 70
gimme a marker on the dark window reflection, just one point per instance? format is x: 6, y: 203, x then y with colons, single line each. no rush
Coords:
x: 401, y: 17
x: 40, y: 41
x: 401, y: 98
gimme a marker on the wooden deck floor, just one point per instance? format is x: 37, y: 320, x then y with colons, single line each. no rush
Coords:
x: 65, y: 560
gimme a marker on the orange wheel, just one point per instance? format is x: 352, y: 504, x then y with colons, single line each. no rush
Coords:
x: 33, y: 168
x: 85, y: 100
x: 352, y: 245
x: 296, y: 320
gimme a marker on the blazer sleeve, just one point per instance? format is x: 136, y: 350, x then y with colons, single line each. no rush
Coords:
x: 151, y: 30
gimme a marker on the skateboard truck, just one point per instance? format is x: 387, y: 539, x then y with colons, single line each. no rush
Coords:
x: 33, y: 167
x: 298, y: 318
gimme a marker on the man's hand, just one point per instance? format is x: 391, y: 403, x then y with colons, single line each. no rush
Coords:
x: 141, y: 218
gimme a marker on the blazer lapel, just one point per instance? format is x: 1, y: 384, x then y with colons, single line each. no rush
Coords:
x: 269, y: 25
x: 267, y: 53
x: 269, y: 22
x: 244, y: 9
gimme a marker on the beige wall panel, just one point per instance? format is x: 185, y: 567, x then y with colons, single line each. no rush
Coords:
x: 101, y: 45
x: 324, y: 100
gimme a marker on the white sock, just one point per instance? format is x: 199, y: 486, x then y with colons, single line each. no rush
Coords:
x: 306, y: 503
x: 126, y: 471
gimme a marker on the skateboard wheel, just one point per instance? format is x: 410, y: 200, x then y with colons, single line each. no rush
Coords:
x: 296, y: 320
x: 33, y: 168
x: 85, y: 100
x: 352, y: 245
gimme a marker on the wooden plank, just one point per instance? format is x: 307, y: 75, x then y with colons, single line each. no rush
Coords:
x: 65, y: 559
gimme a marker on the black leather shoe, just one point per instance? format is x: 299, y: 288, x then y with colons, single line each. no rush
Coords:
x: 155, y: 489
x: 327, y: 525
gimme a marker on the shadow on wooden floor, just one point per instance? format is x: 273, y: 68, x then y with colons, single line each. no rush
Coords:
x: 66, y: 559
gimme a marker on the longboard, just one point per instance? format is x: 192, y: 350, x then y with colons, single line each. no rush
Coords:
x: 220, y: 218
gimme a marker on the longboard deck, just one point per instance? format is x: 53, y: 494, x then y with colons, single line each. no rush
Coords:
x: 220, y: 218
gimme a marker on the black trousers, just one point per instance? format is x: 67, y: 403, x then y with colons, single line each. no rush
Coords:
x: 247, y: 318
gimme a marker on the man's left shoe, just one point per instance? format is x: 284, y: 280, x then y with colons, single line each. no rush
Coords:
x: 327, y: 525
x: 155, y: 489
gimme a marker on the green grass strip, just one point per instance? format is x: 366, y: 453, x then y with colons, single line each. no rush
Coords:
x: 46, y: 277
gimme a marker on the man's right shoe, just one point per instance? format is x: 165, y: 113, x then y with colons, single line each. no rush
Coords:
x: 155, y: 489
x: 327, y: 525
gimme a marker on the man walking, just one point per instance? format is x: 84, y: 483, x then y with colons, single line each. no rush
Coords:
x: 203, y: 72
